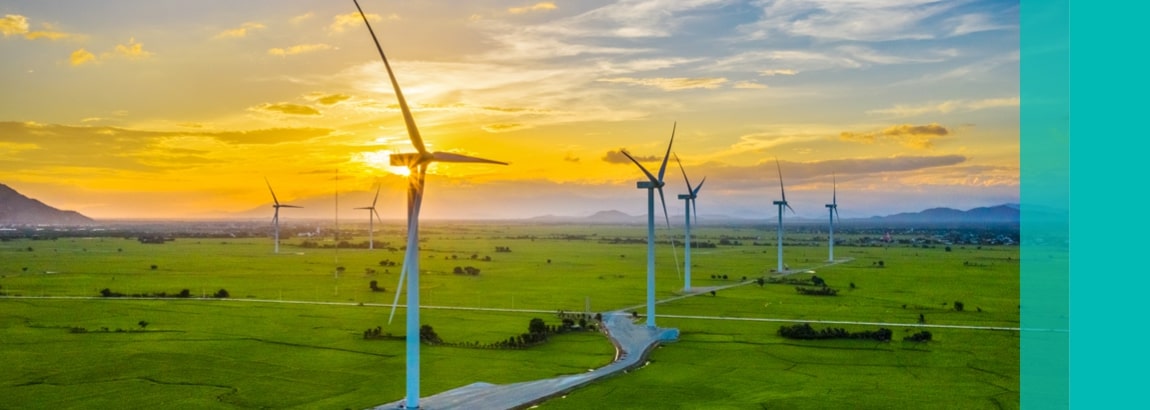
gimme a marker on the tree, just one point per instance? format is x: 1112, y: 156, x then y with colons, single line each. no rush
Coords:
x: 154, y: 267
x: 959, y: 306
x: 185, y: 293
x: 375, y: 287
x: 428, y: 335
x: 537, y: 325
x: 881, y: 264
x: 222, y: 293
x: 143, y: 324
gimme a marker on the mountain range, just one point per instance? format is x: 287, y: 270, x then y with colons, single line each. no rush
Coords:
x: 17, y: 209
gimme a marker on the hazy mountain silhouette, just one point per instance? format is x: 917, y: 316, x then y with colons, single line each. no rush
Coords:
x: 17, y: 209
x: 1001, y: 214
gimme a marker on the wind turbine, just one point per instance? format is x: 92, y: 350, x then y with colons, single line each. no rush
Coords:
x: 417, y: 164
x: 276, y: 219
x: 689, y: 200
x: 371, y: 216
x: 651, y: 184
x: 833, y: 210
x: 781, y: 204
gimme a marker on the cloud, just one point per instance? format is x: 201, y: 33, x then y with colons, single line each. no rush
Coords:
x: 132, y: 50
x: 290, y: 109
x: 617, y: 157
x: 298, y: 49
x: 493, y: 128
x: 342, y: 22
x: 779, y: 71
x: 81, y: 57
x: 330, y: 99
x: 914, y: 136
x: 749, y: 85
x: 669, y: 84
x: 877, y: 21
x: 947, y: 107
x: 570, y: 157
x: 542, y: 6
x: 241, y: 31
x: 17, y: 25
x: 302, y: 17
x: 13, y: 24
x: 270, y: 136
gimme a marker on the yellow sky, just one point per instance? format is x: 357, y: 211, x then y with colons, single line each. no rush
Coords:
x: 129, y: 110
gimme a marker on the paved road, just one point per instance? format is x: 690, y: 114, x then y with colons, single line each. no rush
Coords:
x: 632, y: 344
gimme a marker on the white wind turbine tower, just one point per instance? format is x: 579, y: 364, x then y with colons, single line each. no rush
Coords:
x: 417, y: 164
x: 372, y: 215
x: 276, y: 218
x: 781, y: 204
x: 651, y: 184
x: 689, y: 200
x: 833, y: 210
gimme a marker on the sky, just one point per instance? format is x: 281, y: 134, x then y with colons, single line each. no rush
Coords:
x: 171, y: 109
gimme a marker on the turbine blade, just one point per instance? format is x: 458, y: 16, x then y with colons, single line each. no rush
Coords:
x: 377, y: 217
x: 373, y: 201
x: 695, y: 208
x: 649, y: 176
x: 695, y: 191
x: 451, y: 157
x: 789, y: 207
x: 290, y: 206
x: 415, y: 198
x: 274, y: 200
x: 834, y: 190
x: 837, y: 214
x: 412, y: 130
x: 684, y: 172
x: 781, y: 190
x: 664, y: 201
x: 663, y: 168
x: 675, y: 252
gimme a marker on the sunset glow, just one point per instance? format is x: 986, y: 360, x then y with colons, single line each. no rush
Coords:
x: 123, y: 109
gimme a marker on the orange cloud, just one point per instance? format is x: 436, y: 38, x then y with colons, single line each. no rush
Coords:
x: 81, y: 57
x: 132, y: 50
x: 542, y: 6
x: 17, y: 25
x: 914, y: 136
x: 669, y: 84
x: 298, y: 49
x: 242, y: 31
x: 290, y: 109
x: 342, y: 22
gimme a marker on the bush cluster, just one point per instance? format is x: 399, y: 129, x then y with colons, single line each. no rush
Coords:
x: 804, y: 331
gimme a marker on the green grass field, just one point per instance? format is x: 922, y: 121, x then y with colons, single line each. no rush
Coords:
x: 230, y: 353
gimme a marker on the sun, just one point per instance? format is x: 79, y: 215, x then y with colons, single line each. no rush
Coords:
x: 380, y: 160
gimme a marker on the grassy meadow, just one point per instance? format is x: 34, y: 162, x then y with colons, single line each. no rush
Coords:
x: 197, y: 353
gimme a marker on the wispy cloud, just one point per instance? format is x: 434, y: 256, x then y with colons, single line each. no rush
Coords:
x: 617, y: 157
x: 241, y: 31
x: 17, y: 25
x: 947, y: 106
x: 328, y: 99
x: 669, y: 84
x: 132, y: 50
x: 302, y: 18
x: 286, y: 108
x: 876, y: 21
x: 542, y: 6
x: 81, y: 57
x: 777, y: 71
x: 298, y: 49
x: 914, y: 136
x: 342, y: 22
x: 749, y: 85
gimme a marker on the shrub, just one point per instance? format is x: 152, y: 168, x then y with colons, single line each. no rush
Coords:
x: 222, y: 293
x: 959, y: 306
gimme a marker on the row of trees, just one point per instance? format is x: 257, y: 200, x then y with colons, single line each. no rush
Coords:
x: 184, y: 293
x: 466, y: 270
x: 804, y: 331
x: 823, y: 291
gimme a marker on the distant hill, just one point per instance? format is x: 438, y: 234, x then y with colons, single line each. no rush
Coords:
x: 1001, y: 214
x: 601, y: 217
x: 17, y: 209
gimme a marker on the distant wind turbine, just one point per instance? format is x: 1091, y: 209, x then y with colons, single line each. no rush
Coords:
x: 651, y: 184
x: 781, y: 204
x: 689, y: 200
x: 372, y: 215
x: 833, y: 210
x: 276, y: 218
x: 417, y: 163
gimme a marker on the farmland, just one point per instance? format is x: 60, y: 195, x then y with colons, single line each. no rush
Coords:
x: 254, y: 349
